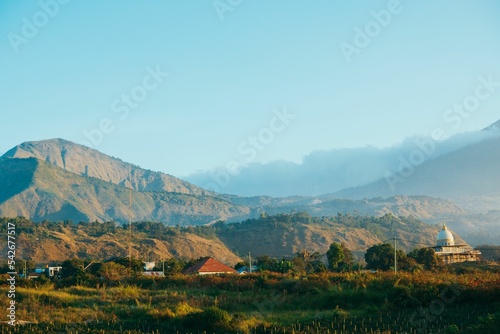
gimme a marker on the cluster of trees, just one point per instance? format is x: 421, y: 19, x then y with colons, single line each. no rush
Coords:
x: 490, y: 252
x: 381, y: 257
x: 338, y: 257
x: 82, y: 272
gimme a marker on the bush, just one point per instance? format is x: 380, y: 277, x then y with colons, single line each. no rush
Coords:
x: 211, y: 319
x: 452, y: 329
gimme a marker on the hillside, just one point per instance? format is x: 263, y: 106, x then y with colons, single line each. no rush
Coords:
x: 287, y: 234
x: 279, y: 236
x: 59, y: 180
x: 54, y: 242
x: 88, y: 162
x: 39, y: 190
x: 421, y: 207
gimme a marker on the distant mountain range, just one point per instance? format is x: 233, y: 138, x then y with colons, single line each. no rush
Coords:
x: 59, y: 180
x: 325, y: 172
x: 469, y: 176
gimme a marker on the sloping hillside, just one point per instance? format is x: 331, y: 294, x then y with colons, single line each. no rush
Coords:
x: 88, y: 162
x: 421, y: 207
x: 287, y: 234
x: 39, y: 190
x: 52, y: 242
x: 278, y: 236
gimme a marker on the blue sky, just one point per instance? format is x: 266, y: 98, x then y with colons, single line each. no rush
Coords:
x: 230, y: 72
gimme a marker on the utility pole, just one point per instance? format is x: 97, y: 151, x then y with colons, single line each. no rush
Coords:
x: 249, y: 263
x: 395, y: 258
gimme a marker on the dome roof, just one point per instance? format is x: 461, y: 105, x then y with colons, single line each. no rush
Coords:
x: 445, y: 238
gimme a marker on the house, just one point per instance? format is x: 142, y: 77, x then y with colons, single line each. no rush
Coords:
x: 209, y: 266
x: 451, y: 253
x: 53, y: 271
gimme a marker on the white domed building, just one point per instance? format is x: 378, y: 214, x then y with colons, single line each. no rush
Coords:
x: 449, y: 252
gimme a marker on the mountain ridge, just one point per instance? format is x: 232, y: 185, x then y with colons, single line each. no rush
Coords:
x: 53, y: 189
x: 464, y: 176
x: 89, y: 162
x: 56, y: 194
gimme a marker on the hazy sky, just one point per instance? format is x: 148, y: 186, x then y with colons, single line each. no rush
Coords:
x: 347, y: 74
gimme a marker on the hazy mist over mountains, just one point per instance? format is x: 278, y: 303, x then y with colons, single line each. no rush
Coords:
x: 323, y: 172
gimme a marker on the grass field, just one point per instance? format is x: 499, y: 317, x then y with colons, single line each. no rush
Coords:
x: 425, y: 302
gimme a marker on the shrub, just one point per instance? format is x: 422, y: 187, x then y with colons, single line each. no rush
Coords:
x: 452, y: 329
x: 211, y: 319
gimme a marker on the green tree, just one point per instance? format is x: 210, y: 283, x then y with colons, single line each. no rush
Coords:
x: 73, y: 272
x: 426, y: 257
x: 307, y: 261
x: 173, y: 265
x: 112, y: 272
x: 348, y: 262
x: 406, y: 263
x: 136, y: 266
x: 283, y: 266
x: 335, y: 255
x: 380, y: 256
x: 265, y: 262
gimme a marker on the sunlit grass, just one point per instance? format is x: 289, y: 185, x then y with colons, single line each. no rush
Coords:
x: 354, y: 302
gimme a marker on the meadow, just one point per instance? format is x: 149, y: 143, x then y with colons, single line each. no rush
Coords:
x: 463, y: 301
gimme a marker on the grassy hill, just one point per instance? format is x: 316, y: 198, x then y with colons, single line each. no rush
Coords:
x: 278, y: 236
x: 287, y: 234
x: 48, y: 242
x: 265, y: 304
x: 39, y: 190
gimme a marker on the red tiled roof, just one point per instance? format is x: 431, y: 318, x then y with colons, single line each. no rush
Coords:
x: 209, y: 265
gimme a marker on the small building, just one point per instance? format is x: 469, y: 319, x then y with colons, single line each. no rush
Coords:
x: 449, y: 252
x: 209, y: 266
x: 53, y: 271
